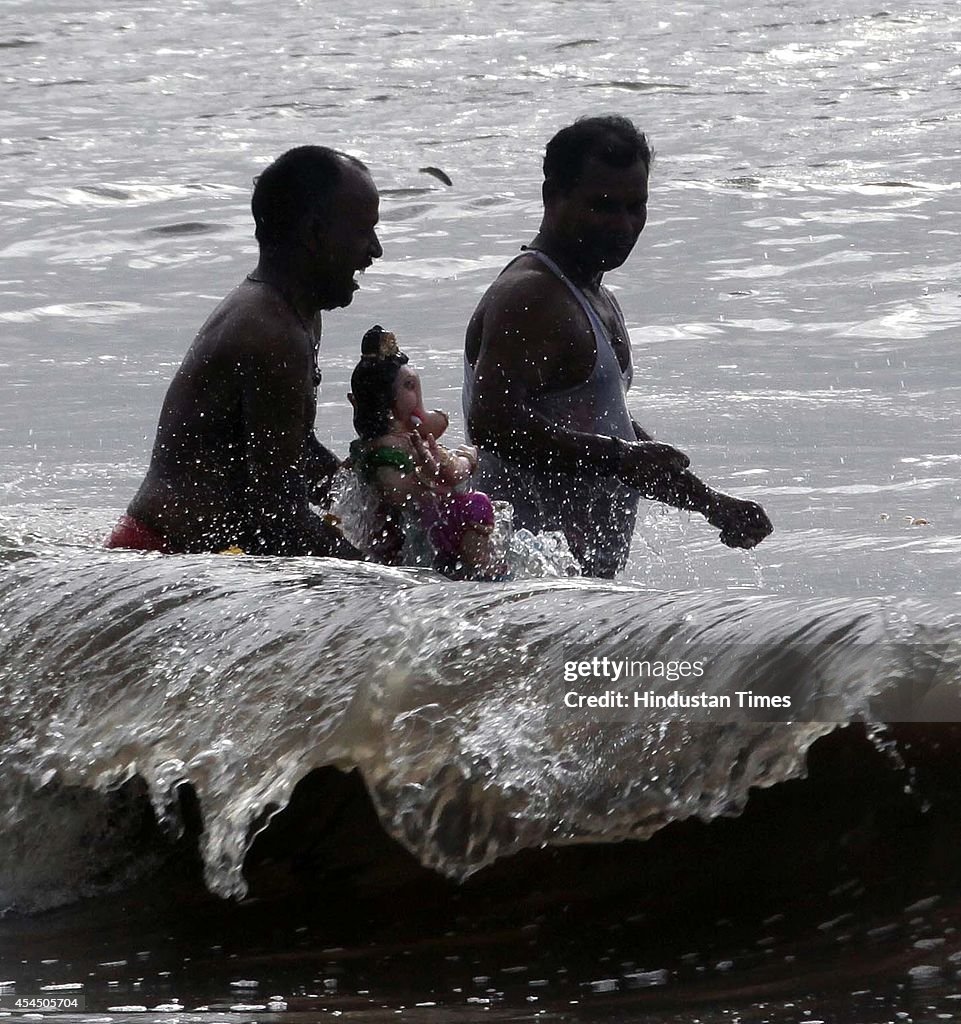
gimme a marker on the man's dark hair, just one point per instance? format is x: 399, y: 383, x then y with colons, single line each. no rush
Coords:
x: 612, y: 139
x: 372, y: 384
x: 299, y: 182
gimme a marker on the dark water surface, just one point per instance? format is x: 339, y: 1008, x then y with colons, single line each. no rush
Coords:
x: 357, y: 787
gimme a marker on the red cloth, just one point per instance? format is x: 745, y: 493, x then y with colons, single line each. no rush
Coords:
x: 133, y: 535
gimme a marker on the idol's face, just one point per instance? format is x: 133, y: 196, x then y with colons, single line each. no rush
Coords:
x: 407, y: 395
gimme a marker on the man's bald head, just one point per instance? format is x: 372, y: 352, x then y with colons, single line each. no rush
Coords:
x: 298, y: 184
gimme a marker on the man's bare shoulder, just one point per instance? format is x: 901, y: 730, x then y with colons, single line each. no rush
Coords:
x: 526, y: 300
x: 529, y: 325
x: 524, y: 285
x: 251, y: 320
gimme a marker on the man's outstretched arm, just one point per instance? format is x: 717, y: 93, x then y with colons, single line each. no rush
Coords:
x: 742, y: 523
x: 519, y: 340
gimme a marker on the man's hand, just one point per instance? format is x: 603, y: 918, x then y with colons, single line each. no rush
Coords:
x: 329, y: 541
x: 659, y: 471
x: 743, y: 524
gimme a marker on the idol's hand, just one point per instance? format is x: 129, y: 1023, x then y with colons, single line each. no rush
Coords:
x: 427, y: 459
x: 469, y: 452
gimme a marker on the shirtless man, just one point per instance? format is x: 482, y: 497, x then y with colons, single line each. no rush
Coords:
x: 236, y: 459
x: 548, y: 364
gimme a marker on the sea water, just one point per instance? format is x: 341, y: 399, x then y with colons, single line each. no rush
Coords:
x: 794, y: 309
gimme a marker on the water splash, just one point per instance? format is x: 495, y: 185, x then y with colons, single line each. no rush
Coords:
x: 525, y: 554
x: 237, y: 677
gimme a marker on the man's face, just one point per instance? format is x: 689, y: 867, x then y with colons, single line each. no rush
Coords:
x: 347, y: 240
x: 601, y: 217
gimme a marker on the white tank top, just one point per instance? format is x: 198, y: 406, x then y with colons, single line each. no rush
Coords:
x: 596, y: 514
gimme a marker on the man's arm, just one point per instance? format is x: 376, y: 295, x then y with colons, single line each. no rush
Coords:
x: 525, y: 332
x: 275, y: 391
x: 320, y: 465
x: 526, y: 335
x: 742, y: 523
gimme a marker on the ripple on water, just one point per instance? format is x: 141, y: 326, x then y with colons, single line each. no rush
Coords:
x: 93, y: 312
x: 190, y: 227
